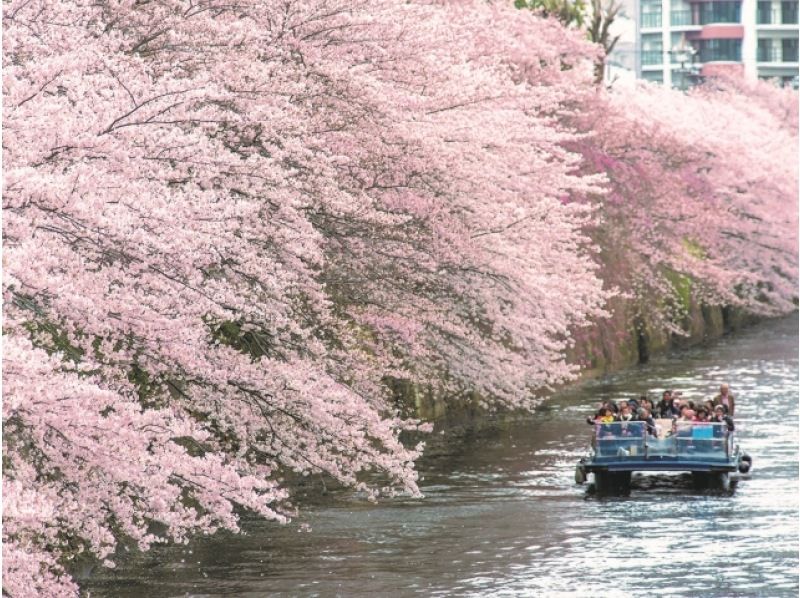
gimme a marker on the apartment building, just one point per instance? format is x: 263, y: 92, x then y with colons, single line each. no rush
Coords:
x: 681, y: 41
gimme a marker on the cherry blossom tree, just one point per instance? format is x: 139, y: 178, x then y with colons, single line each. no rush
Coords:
x: 227, y: 223
x: 703, y: 193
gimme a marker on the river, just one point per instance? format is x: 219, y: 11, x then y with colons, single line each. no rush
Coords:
x: 502, y: 515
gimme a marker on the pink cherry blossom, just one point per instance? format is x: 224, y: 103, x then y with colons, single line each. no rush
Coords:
x: 228, y: 227
x: 703, y: 194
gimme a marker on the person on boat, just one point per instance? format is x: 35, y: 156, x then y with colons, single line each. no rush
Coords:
x: 701, y: 415
x: 604, y: 415
x: 645, y: 415
x: 687, y: 414
x: 726, y: 399
x: 673, y: 410
x: 625, y: 414
x: 665, y: 404
x: 608, y: 404
x: 645, y: 402
x: 721, y: 416
x: 708, y: 405
x: 600, y: 412
x: 682, y: 426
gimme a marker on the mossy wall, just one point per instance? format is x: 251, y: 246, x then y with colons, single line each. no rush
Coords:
x: 624, y: 339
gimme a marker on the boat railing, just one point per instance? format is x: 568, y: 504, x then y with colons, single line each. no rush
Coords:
x: 678, y: 439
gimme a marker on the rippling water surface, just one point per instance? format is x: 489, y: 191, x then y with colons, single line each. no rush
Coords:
x: 503, y: 517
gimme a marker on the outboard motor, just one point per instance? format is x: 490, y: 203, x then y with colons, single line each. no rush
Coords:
x: 745, y: 463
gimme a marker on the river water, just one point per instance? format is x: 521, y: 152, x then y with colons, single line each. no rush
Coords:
x: 502, y: 515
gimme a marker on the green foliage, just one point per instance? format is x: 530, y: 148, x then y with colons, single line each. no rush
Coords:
x: 569, y: 12
x: 694, y: 249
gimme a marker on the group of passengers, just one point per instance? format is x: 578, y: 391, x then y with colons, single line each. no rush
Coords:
x: 672, y: 406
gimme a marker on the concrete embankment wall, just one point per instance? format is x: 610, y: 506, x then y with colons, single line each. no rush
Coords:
x: 612, y: 344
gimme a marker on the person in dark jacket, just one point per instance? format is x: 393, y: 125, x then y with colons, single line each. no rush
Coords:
x: 645, y: 402
x: 674, y: 410
x: 665, y: 404
x: 721, y: 416
x: 644, y: 415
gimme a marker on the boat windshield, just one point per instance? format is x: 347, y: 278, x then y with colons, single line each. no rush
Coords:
x: 681, y: 439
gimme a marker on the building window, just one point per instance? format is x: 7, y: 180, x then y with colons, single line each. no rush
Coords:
x: 721, y: 50
x: 765, y: 51
x: 764, y: 15
x: 769, y: 51
x: 651, y: 19
x: 789, y: 47
x: 789, y: 13
x: 652, y: 49
x: 651, y: 13
x: 651, y: 6
x: 720, y: 12
x: 680, y: 17
x: 650, y: 57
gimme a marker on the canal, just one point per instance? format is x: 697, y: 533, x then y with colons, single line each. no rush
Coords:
x: 502, y: 515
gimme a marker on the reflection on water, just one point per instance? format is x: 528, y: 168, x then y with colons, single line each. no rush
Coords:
x: 503, y: 517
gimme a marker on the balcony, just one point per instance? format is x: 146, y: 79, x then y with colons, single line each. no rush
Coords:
x: 651, y: 20
x: 651, y: 57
